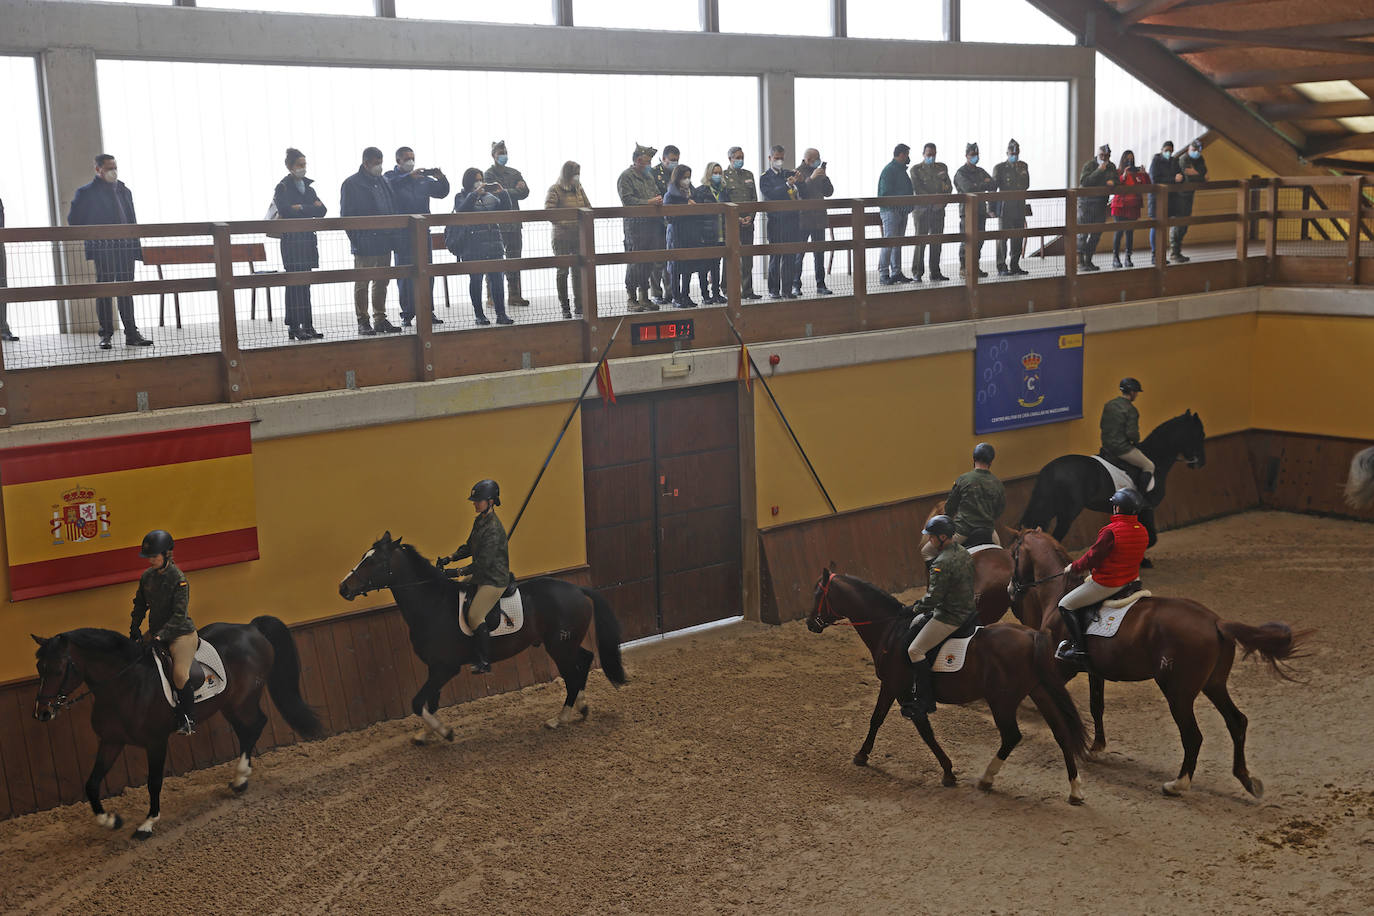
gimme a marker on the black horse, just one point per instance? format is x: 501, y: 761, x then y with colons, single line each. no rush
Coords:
x: 1071, y: 483
x: 557, y: 614
x: 131, y: 708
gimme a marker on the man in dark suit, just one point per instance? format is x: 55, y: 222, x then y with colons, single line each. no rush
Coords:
x: 108, y: 201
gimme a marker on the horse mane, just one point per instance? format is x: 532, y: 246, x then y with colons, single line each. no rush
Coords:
x: 109, y: 642
x: 1059, y: 552
x: 873, y: 593
x: 1163, y: 428
x: 425, y: 568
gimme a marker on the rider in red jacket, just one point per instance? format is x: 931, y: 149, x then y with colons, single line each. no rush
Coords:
x: 1114, y: 560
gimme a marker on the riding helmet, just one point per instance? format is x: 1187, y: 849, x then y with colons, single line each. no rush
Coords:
x: 1127, y: 501
x: 486, y: 489
x: 984, y: 452
x: 155, y: 544
x: 1130, y: 384
x: 941, y: 525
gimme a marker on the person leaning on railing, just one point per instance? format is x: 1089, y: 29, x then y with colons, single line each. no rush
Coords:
x: 567, y: 193
x: 294, y: 198
x: 1193, y: 169
x: 108, y: 201
x: 5, y: 332
x: 784, y: 226
x: 1163, y: 170
x: 483, y: 242
x: 1097, y: 173
x: 684, y: 232
x: 411, y: 190
x: 739, y: 185
x: 972, y: 179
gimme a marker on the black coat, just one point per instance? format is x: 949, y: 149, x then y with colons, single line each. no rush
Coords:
x: 103, y: 204
x: 783, y: 226
x: 483, y: 241
x: 299, y: 250
x: 364, y: 195
x: 683, y: 231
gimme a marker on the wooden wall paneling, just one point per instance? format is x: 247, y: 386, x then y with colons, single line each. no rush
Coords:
x: 94, y: 389
x: 38, y: 750
x: 383, y: 678
x: 18, y: 780
x: 1308, y: 472
x: 224, y: 743
x: 312, y: 689
x: 475, y: 351
x: 1305, y: 271
x: 279, y: 371
x: 180, y: 758
x: 6, y: 806
x: 336, y: 698
x: 351, y: 674
x: 410, y: 672
x: 71, y: 782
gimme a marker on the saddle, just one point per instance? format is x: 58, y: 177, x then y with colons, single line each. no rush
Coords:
x: 918, y: 621
x: 1136, y: 475
x: 164, y: 660
x: 979, y: 537
x: 1116, y: 599
x: 208, y: 678
x: 507, y: 616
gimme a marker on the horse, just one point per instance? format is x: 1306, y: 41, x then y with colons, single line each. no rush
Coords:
x: 1180, y: 644
x: 557, y: 615
x: 991, y: 573
x: 1359, y: 486
x: 1071, y: 483
x: 131, y: 708
x: 1005, y: 663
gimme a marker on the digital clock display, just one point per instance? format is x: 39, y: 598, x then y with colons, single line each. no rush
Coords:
x: 660, y: 331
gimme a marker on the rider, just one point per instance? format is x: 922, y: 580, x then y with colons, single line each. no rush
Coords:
x: 164, y: 596
x: 1114, y: 560
x: 1121, y: 430
x: 950, y: 599
x: 975, y: 502
x: 490, y: 567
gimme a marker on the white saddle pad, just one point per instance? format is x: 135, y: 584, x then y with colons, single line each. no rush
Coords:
x: 1120, y: 479
x: 512, y: 614
x: 1109, y: 618
x: 950, y: 658
x: 215, y: 681
x: 983, y: 547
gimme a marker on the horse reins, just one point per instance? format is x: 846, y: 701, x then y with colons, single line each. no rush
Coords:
x: 60, y: 701
x: 837, y: 620
x: 1020, y: 588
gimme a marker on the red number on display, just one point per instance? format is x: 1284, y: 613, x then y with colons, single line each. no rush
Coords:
x: 670, y: 330
x: 648, y: 332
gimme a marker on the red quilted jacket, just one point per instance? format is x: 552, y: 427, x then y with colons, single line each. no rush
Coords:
x: 1127, y: 206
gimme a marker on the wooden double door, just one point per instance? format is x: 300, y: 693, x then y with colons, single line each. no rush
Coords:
x: 661, y: 479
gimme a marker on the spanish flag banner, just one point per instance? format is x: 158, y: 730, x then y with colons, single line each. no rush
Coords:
x: 744, y: 367
x: 76, y: 512
x: 603, y: 382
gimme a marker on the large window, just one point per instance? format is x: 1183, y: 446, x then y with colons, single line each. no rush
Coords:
x: 1011, y: 22
x: 520, y: 12
x: 922, y: 20
x: 677, y: 16
x: 341, y: 7
x: 795, y: 17
x: 24, y: 187
x: 1129, y: 115
x: 855, y: 123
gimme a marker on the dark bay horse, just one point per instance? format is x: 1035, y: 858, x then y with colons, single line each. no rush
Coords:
x: 130, y: 707
x: 557, y: 615
x: 1359, y: 486
x: 991, y: 572
x: 1071, y: 483
x: 1005, y: 663
x: 1180, y: 644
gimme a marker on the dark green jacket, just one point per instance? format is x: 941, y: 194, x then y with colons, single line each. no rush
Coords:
x: 975, y: 501
x: 164, y: 597
x: 950, y: 595
x: 931, y: 179
x: 893, y: 181
x: 487, y: 547
x: 1120, y: 426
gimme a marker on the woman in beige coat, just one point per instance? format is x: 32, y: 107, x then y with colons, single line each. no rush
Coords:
x: 567, y: 192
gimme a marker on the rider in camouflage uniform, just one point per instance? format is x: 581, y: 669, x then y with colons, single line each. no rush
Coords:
x: 1011, y: 175
x: 1120, y: 427
x: 165, y: 598
x: 975, y: 502
x: 949, y: 598
x: 511, y: 237
x: 489, y: 569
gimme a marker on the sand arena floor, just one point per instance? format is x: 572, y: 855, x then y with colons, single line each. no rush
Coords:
x: 720, y: 781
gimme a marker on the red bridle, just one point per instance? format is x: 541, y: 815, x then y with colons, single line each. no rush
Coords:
x: 836, y: 620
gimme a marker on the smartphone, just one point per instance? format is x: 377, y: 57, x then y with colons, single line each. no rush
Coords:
x: 491, y: 186
x: 824, y: 163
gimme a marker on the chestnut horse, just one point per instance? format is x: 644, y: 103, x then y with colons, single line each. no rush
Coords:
x: 1180, y: 644
x: 1005, y: 663
x: 991, y: 572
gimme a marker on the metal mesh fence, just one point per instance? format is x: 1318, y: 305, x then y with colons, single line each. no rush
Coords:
x: 1314, y: 236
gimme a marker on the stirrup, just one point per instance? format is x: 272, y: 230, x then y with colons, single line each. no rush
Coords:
x: 1069, y: 652
x: 187, y: 727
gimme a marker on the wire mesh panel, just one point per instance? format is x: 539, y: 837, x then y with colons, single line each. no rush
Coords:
x: 1313, y: 235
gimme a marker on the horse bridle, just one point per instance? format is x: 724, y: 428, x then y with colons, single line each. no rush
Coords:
x: 371, y: 586
x: 60, y: 701
x: 1016, y: 589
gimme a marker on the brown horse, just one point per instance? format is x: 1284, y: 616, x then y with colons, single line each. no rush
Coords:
x: 1004, y: 664
x: 991, y: 572
x: 1180, y: 644
x: 130, y: 708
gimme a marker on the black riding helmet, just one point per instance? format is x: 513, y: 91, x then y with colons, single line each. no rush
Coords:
x: 1130, y: 384
x: 984, y: 452
x: 939, y: 525
x: 486, y: 489
x: 155, y: 544
x: 1127, y: 501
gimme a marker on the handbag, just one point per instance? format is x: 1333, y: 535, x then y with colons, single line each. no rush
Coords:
x: 273, y: 213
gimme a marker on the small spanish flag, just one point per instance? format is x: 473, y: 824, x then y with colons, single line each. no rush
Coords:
x: 743, y: 373
x: 603, y: 382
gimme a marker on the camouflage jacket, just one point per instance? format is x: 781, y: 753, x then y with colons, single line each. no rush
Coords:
x: 489, y: 552
x: 931, y: 179
x: 1120, y: 426
x: 950, y: 594
x: 164, y: 597
x: 509, y: 178
x: 740, y: 184
x: 976, y: 501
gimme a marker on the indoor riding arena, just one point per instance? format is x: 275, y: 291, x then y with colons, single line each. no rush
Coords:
x: 706, y: 499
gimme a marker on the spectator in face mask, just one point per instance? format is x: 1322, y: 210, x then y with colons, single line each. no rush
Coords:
x: 1097, y: 173
x: 108, y: 200
x: 711, y: 191
x: 972, y: 179
x: 367, y: 193
x: 413, y: 189
x: 739, y: 185
x: 1163, y: 170
x: 683, y: 233
x: 1192, y: 169
x: 483, y: 242
x: 780, y: 183
x: 295, y: 198
x: 514, y: 183
x: 812, y: 184
x: 660, y: 274
x: 1126, y: 205
x: 567, y: 193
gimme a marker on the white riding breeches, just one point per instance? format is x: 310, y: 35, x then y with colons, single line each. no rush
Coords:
x: 1088, y: 593
x: 1136, y: 457
x: 930, y: 636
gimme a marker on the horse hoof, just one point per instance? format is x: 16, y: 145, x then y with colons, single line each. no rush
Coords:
x: 240, y: 788
x: 1175, y: 788
x: 141, y: 835
x: 1076, y: 800
x: 584, y: 712
x: 109, y: 821
x: 984, y: 785
x: 552, y: 723
x: 449, y: 735
x: 948, y: 781
x: 1256, y: 787
x: 1097, y: 754
x: 861, y: 760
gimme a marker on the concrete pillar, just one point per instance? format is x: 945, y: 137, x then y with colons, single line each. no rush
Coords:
x: 71, y: 104
x: 1082, y: 124
x: 779, y: 115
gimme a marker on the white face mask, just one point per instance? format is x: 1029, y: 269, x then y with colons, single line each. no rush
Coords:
x: 777, y: 165
x: 577, y: 177
x: 298, y: 173
x: 111, y: 176
x: 684, y: 183
x: 670, y: 164
x: 375, y: 170
x: 406, y: 166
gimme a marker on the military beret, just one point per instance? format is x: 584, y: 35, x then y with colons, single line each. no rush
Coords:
x: 499, y: 144
x: 1104, y: 148
x: 641, y: 150
x: 1013, y: 146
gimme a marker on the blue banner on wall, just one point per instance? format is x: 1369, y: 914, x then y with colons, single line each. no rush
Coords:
x: 1025, y: 378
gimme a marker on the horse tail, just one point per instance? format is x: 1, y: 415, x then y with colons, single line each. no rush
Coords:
x: 1040, y: 508
x: 284, y: 680
x: 1076, y: 735
x: 607, y: 638
x: 1275, y: 642
x: 1359, y: 486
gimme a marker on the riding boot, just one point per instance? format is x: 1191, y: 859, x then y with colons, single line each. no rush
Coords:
x: 186, y: 704
x: 481, y: 649
x: 922, y: 701
x: 1072, y: 650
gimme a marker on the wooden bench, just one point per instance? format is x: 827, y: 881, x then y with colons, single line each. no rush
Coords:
x: 250, y: 253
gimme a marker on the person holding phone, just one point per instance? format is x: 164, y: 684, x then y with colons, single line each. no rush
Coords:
x: 813, y: 183
x: 1097, y: 173
x: 412, y: 190
x: 483, y: 242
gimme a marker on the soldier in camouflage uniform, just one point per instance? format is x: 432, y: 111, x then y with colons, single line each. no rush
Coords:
x: 975, y: 502
x: 1097, y: 173
x: 490, y: 567
x: 1120, y: 427
x: 637, y: 189
x: 970, y: 179
x: 660, y: 272
x: 949, y: 599
x: 165, y: 598
x: 929, y: 177
x: 511, y: 237
x: 739, y: 182
x: 1011, y: 175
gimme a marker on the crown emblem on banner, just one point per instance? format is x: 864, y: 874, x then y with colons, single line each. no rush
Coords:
x: 77, y: 495
x: 1031, y: 361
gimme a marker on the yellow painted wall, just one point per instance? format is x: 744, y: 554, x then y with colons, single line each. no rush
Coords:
x: 888, y: 431
x: 1311, y: 375
x: 321, y: 501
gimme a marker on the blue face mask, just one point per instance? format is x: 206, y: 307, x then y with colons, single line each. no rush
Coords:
x: 1012, y: 157
x: 502, y: 159
x: 973, y: 160
x: 929, y: 160
x: 715, y: 179
x: 736, y: 163
x: 1194, y: 153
